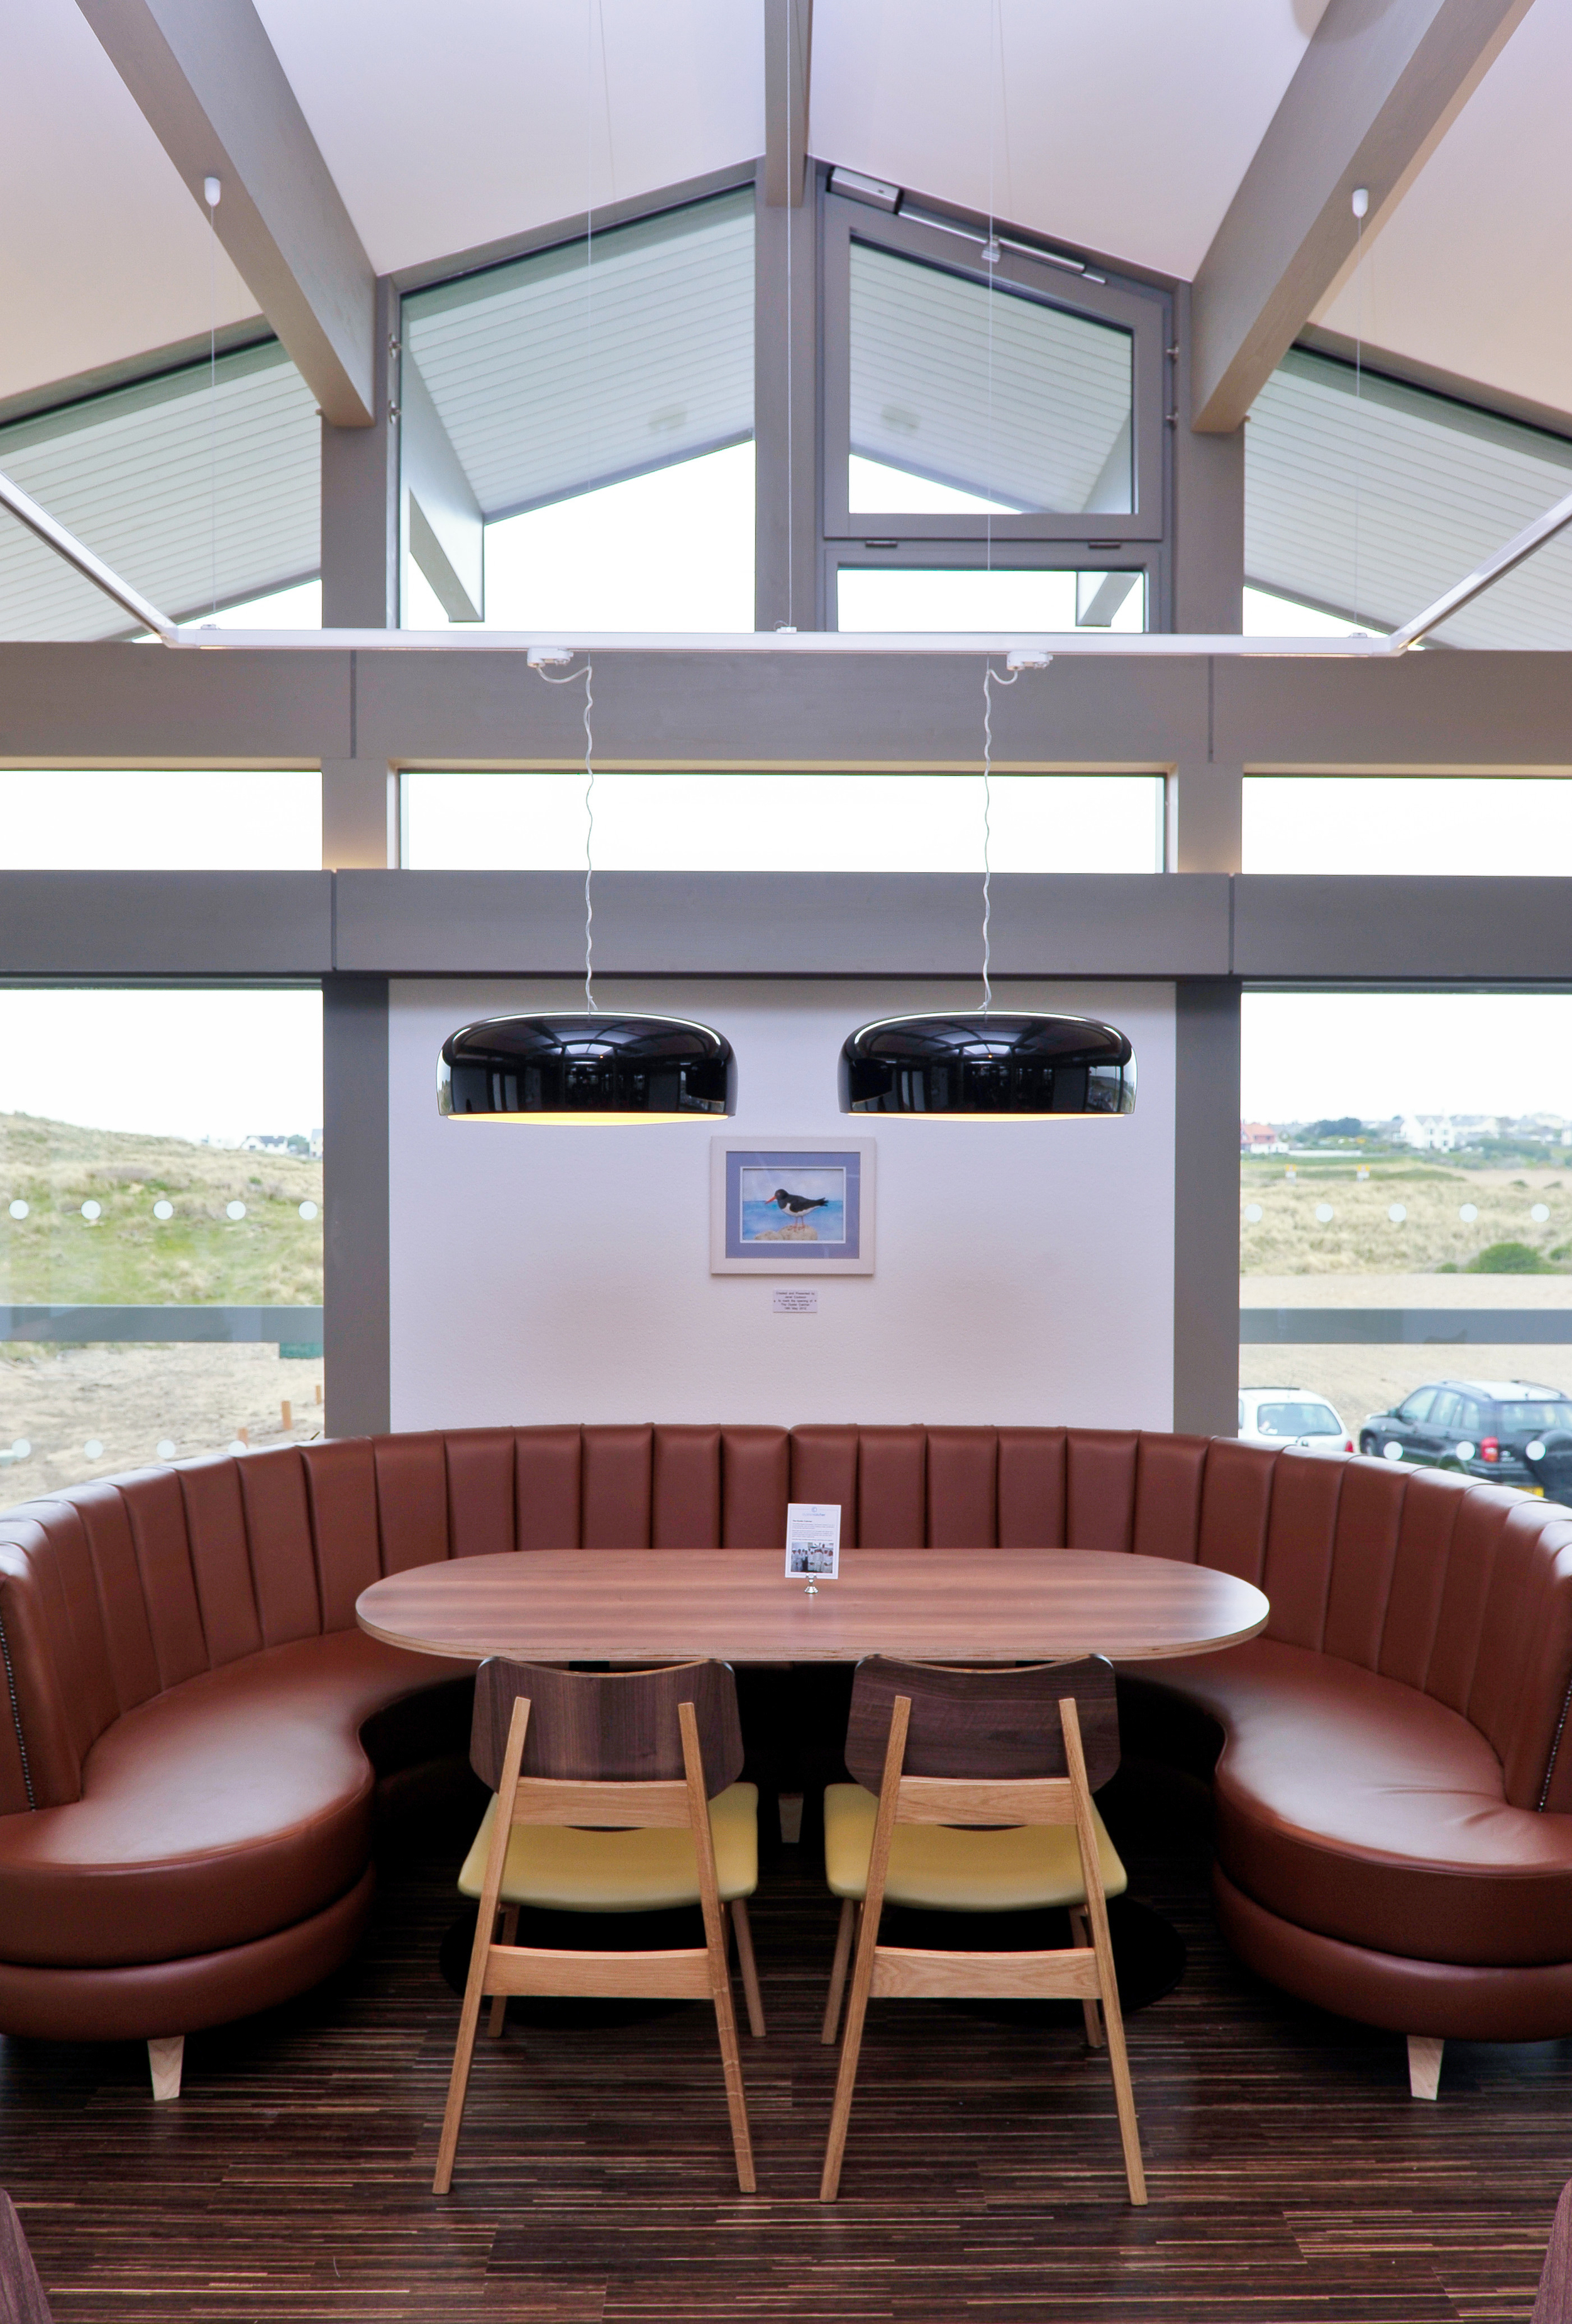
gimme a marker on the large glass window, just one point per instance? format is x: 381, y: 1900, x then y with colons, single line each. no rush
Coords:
x: 1406, y: 1221
x: 990, y: 394
x: 1001, y: 597
x: 589, y: 409
x: 129, y: 819
x: 200, y: 487
x: 1499, y: 825
x: 160, y: 1226
x: 978, y: 387
x: 783, y: 823
x: 1367, y: 498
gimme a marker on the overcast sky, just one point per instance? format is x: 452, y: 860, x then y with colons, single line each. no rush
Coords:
x: 1310, y: 1057
x: 198, y: 1065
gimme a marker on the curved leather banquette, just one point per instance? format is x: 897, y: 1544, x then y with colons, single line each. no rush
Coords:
x: 196, y: 1730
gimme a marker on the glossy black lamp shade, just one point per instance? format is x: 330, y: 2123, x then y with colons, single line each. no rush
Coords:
x: 999, y: 1067
x: 572, y: 1067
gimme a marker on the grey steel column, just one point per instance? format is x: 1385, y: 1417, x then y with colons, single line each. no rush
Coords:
x: 1206, y: 1173
x: 355, y: 1298
x: 786, y: 413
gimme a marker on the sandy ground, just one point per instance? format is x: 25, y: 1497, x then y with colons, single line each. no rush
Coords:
x: 129, y: 1399
x: 1360, y: 1380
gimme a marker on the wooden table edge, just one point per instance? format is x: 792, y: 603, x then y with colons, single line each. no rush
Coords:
x: 447, y: 1651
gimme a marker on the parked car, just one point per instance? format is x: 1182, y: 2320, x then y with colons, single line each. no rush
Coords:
x: 1291, y: 1415
x: 1509, y: 1431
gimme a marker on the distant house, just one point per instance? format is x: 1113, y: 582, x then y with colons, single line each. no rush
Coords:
x: 1432, y: 1133
x: 1260, y: 1138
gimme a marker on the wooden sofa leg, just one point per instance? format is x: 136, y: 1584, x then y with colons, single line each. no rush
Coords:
x: 1424, y: 2065
x: 165, y: 2057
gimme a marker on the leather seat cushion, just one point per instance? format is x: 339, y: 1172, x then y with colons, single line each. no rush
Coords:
x: 946, y: 1869
x: 229, y: 1808
x: 560, y: 1868
x: 1358, y: 1807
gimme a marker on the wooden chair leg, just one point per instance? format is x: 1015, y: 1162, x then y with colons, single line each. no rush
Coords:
x: 1089, y: 2011
x: 499, y: 2007
x: 743, y: 1929
x: 867, y: 1946
x: 1425, y: 2065
x: 480, y: 1951
x: 165, y: 2058
x: 838, y: 1974
x: 715, y: 1943
x: 1124, y: 2096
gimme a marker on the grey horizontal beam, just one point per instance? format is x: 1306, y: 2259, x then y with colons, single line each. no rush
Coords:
x: 81, y: 1326
x: 477, y: 708
x: 1418, y: 710
x: 110, y: 924
x: 779, y: 923
x: 1426, y: 1327
x: 209, y: 81
x: 1362, y: 930
x: 1374, y: 90
x: 1189, y: 925
x: 123, y: 706
x: 116, y: 704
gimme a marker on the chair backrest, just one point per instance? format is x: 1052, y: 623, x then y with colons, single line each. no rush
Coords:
x: 1554, y: 2304
x: 22, y: 2300
x: 607, y: 1726
x: 983, y: 1724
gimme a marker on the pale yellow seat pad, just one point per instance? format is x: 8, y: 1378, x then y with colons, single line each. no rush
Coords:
x: 560, y: 1868
x: 946, y: 1869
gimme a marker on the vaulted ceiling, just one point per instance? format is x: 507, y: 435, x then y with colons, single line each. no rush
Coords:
x: 1124, y: 128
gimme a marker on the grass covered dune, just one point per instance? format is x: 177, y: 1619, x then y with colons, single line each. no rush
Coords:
x: 1361, y: 1238
x: 126, y: 1257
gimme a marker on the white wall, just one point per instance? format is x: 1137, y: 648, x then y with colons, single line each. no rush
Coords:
x: 1024, y: 1273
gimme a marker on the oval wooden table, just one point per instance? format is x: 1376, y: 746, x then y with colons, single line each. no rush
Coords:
x: 680, y: 1605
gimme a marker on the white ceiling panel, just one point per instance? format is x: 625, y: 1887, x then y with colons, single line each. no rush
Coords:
x: 1469, y: 274
x: 1124, y: 128
x: 102, y: 252
x: 447, y: 127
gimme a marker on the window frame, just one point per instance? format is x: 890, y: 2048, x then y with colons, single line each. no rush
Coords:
x: 1145, y: 312
x: 876, y: 552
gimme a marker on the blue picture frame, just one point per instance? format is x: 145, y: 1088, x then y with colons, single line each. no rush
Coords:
x: 791, y: 1206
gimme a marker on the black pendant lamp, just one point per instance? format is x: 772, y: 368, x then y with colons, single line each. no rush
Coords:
x: 989, y: 1064
x: 1000, y: 1066
x: 589, y: 1065
x: 585, y: 1067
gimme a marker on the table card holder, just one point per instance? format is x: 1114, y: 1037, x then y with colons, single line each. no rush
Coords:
x: 813, y: 1543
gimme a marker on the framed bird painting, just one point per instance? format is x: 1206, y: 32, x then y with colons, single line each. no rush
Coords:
x: 795, y: 1206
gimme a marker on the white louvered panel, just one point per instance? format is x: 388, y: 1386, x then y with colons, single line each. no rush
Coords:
x: 1412, y: 491
x: 133, y: 474
x: 920, y: 395
x: 549, y: 381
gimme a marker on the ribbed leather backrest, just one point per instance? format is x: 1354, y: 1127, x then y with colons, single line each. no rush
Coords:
x: 127, y: 1586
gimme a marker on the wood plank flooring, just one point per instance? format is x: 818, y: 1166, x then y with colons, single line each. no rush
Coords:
x: 1293, y: 2178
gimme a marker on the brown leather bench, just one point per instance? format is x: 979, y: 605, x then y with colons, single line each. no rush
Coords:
x: 196, y: 1731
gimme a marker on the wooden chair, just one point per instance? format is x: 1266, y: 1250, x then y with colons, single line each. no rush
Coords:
x: 616, y: 1792
x: 1554, y: 2303
x: 981, y: 1801
x: 22, y: 2300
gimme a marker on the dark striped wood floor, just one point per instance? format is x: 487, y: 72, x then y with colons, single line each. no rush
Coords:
x: 1292, y: 2176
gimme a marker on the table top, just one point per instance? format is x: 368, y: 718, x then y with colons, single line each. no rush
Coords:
x: 738, y: 1605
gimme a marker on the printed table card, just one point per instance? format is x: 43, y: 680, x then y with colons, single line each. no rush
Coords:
x: 813, y: 1539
